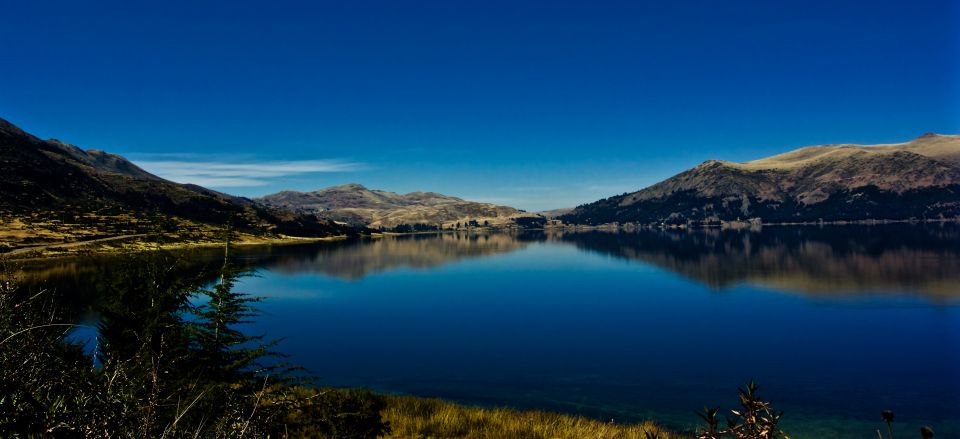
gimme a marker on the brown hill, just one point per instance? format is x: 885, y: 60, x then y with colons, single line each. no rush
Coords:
x: 355, y: 204
x: 916, y: 179
x: 48, y: 184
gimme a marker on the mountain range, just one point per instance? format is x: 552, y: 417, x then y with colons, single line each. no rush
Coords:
x: 356, y: 205
x: 919, y: 179
x: 54, y: 192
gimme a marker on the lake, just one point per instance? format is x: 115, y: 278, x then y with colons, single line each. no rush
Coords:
x: 836, y: 323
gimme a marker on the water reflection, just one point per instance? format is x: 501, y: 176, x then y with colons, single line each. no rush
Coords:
x: 822, y: 261
x: 827, y: 261
x: 355, y: 260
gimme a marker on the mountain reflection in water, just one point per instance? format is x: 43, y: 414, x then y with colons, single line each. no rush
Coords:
x: 827, y: 261
x: 355, y: 260
x: 821, y: 261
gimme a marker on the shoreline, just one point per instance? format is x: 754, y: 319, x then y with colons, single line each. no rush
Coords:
x: 746, y: 224
x: 424, y: 416
x: 76, y: 248
x: 104, y: 245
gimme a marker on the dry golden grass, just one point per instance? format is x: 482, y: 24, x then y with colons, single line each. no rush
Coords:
x: 41, y: 235
x: 412, y: 417
x: 945, y: 148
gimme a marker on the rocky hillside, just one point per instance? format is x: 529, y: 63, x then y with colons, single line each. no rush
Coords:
x: 917, y: 179
x: 50, y: 190
x: 355, y: 204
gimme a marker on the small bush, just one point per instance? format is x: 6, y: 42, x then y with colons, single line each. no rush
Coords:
x: 336, y: 413
x: 754, y: 420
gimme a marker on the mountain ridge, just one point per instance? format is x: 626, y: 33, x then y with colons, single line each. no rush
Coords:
x: 915, y: 179
x: 354, y: 195
x: 55, y: 191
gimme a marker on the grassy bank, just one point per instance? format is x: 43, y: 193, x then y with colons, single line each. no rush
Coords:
x: 31, y: 238
x: 412, y: 417
x: 51, y: 234
x: 357, y: 413
x: 139, y: 243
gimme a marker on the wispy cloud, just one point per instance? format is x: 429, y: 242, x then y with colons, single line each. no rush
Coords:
x: 220, y: 174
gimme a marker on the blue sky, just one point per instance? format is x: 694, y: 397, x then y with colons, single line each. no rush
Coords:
x: 533, y: 104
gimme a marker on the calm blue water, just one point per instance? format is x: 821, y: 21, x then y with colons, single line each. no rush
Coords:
x: 836, y: 324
